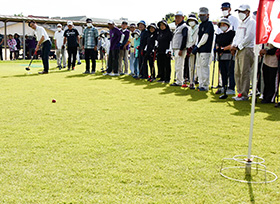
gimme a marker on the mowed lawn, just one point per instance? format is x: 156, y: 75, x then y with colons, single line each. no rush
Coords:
x: 121, y: 140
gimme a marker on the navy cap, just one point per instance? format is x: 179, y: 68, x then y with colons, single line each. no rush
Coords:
x: 226, y: 5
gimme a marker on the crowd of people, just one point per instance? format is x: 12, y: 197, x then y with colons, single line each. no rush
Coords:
x: 191, y: 45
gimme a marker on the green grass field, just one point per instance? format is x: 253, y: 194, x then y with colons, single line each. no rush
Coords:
x: 119, y: 140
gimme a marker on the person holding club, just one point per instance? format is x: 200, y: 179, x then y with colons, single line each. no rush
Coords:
x: 226, y: 60
x: 243, y: 48
x: 203, y: 48
x: 44, y: 41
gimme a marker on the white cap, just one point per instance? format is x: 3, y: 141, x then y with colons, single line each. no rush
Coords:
x: 69, y: 23
x: 179, y: 13
x: 111, y: 22
x: 243, y: 7
x: 59, y: 25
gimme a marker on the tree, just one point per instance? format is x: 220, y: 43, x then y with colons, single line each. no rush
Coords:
x: 170, y: 17
x: 20, y: 15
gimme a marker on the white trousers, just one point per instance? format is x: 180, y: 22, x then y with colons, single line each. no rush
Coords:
x: 179, y: 66
x: 60, y: 53
x: 192, y: 71
x: 203, y: 69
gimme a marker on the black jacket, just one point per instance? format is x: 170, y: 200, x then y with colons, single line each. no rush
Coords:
x: 143, y: 39
x: 164, y: 38
x: 151, y: 40
x: 224, y: 39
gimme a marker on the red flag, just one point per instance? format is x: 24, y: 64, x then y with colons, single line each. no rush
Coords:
x: 268, y: 22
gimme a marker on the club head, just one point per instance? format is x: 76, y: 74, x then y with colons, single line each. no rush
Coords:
x: 223, y: 96
x: 27, y: 69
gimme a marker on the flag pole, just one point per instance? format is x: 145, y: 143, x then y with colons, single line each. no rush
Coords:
x: 248, y: 164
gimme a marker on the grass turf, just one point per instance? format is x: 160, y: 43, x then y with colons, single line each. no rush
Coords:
x: 119, y: 140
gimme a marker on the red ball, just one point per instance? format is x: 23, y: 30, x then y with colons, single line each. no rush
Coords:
x: 239, y: 95
x: 53, y: 101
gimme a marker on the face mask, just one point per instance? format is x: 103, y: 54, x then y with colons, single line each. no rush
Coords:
x: 224, y: 28
x: 203, y: 18
x: 192, y: 23
x: 89, y: 25
x: 59, y: 29
x: 242, y: 16
x: 225, y: 13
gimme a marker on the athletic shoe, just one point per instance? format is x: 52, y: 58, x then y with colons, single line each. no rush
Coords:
x: 192, y: 86
x: 185, y: 86
x: 166, y: 82
x: 68, y: 69
x: 114, y: 74
x: 121, y: 73
x: 224, y: 96
x: 257, y: 93
x: 73, y: 68
x: 230, y: 92
x: 219, y: 91
x: 261, y: 97
x: 202, y: 89
x: 135, y: 77
x: 86, y: 72
x: 174, y: 84
x: 64, y: 67
x: 106, y: 74
x: 160, y: 81
x: 126, y: 73
x: 242, y: 98
x: 93, y: 72
x: 43, y: 72
x: 79, y: 63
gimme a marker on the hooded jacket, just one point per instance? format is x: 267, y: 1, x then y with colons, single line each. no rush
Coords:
x: 151, y: 42
x: 164, y: 38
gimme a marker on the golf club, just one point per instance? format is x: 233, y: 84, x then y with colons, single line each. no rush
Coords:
x: 28, y: 68
x: 212, y: 85
x: 277, y: 87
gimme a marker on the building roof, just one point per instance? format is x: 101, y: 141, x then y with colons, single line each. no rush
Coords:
x: 77, y: 20
x: 6, y: 18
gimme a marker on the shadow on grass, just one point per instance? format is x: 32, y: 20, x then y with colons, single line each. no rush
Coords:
x: 251, y: 192
x: 78, y: 76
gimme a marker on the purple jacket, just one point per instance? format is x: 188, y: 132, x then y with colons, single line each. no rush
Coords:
x: 126, y: 38
x: 115, y: 37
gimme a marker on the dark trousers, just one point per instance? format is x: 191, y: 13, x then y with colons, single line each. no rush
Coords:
x: 90, y: 54
x: 11, y: 55
x: 269, y: 77
x: 113, y: 61
x: 17, y: 54
x: 46, y: 48
x: 1, y: 53
x: 72, y: 53
x: 186, y: 68
x: 224, y: 66
x: 31, y: 52
x: 143, y: 66
x: 151, y: 60
x: 164, y: 64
